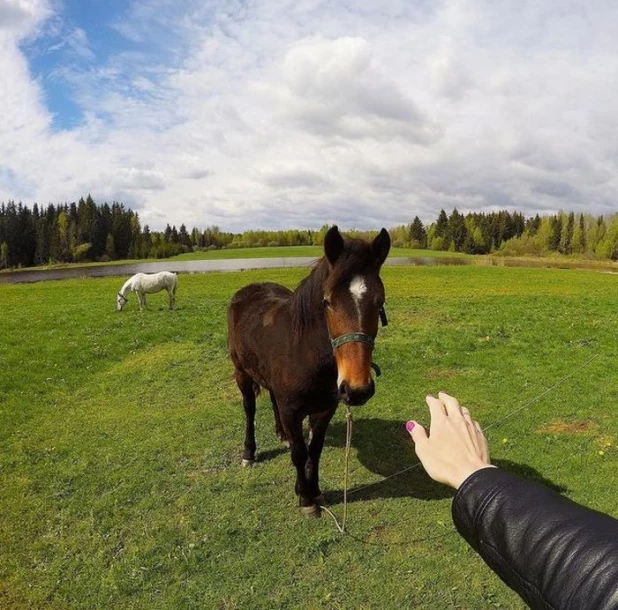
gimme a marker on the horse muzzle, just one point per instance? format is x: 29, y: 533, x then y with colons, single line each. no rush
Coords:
x: 355, y: 397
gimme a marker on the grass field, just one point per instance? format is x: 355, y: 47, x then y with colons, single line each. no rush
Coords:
x: 121, y: 434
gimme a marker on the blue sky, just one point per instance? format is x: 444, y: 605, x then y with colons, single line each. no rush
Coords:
x: 83, y: 37
x: 294, y: 113
x: 59, y: 47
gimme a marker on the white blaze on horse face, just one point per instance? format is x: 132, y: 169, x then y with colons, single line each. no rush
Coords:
x: 358, y: 288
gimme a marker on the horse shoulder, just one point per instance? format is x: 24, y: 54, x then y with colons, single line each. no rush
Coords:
x: 135, y: 282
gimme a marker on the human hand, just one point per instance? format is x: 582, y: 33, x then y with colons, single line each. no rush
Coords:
x: 456, y: 446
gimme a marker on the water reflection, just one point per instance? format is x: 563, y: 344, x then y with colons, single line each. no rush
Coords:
x: 241, y: 264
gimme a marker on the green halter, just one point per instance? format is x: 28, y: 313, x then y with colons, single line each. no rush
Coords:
x: 352, y: 338
x: 360, y: 337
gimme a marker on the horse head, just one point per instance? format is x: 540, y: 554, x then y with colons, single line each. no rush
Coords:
x: 121, y: 301
x: 354, y: 302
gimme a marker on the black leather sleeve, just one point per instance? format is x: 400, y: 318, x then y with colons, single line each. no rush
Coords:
x: 556, y: 554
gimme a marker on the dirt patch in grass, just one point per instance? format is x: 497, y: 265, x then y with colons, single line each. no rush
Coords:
x: 380, y: 533
x: 560, y: 426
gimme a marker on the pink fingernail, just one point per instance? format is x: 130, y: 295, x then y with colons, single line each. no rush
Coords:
x: 410, y: 426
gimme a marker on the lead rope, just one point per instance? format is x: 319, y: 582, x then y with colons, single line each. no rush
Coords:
x: 348, y: 446
x: 348, y: 443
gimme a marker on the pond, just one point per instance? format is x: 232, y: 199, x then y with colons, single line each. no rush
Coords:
x: 201, y: 266
x: 241, y: 264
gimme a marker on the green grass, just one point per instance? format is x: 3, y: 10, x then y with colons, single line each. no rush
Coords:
x: 121, y: 435
x: 292, y: 251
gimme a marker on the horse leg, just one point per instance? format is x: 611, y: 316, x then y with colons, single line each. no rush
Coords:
x: 318, y: 423
x: 278, y: 427
x: 293, y: 427
x: 247, y: 389
x: 141, y: 299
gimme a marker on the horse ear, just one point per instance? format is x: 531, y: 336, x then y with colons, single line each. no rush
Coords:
x: 381, y: 246
x: 333, y: 244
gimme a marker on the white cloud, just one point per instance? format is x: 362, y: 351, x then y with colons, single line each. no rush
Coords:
x: 134, y: 179
x: 299, y: 112
x: 76, y: 41
x: 19, y: 18
x: 331, y: 88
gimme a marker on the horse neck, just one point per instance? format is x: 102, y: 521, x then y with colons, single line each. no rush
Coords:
x: 307, y: 308
x: 126, y: 287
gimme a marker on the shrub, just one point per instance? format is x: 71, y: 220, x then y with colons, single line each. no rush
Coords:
x: 437, y: 243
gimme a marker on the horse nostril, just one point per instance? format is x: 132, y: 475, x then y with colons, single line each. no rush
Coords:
x: 344, y: 390
x: 356, y: 396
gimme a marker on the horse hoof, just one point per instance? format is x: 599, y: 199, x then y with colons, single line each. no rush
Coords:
x: 320, y: 500
x: 311, y: 512
x: 247, y: 463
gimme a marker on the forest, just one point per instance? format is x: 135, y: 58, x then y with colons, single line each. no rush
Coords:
x: 85, y: 231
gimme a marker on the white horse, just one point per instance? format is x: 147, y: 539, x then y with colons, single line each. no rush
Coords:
x: 146, y: 283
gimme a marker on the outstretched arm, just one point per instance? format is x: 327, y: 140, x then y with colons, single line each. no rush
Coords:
x: 554, y: 553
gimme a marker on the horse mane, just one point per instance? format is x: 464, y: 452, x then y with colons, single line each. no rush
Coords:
x: 125, y: 286
x: 307, y: 309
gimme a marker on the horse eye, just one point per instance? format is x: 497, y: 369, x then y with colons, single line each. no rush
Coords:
x: 326, y: 302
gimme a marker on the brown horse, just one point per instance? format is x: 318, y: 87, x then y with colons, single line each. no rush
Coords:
x: 310, y: 348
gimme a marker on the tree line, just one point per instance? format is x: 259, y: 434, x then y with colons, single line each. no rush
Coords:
x: 86, y: 231
x: 513, y: 234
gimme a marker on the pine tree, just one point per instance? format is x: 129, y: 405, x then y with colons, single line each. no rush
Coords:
x: 417, y: 234
x: 121, y: 229
x: 4, y: 255
x: 101, y: 229
x: 184, y: 237
x: 566, y: 232
x: 110, y: 248
x: 555, y: 223
x: 196, y: 238
x: 456, y: 232
x: 532, y: 225
x: 167, y: 235
x: 146, y: 242
x: 582, y: 227
x: 441, y: 224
